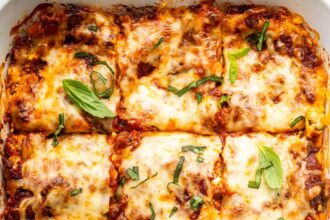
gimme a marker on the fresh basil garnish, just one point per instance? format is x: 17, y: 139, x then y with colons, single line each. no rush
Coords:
x: 200, y: 159
x: 133, y: 173
x: 269, y: 165
x: 83, y: 97
x: 262, y: 37
x: 178, y: 170
x: 105, y: 64
x: 143, y: 181
x: 159, y: 42
x: 93, y: 28
x: 192, y: 148
x: 296, y: 121
x: 96, y: 77
x: 199, y: 97
x: 153, y: 214
x: 195, y: 84
x: 58, y: 130
x: 75, y: 192
x: 196, y: 202
x: 83, y: 55
x: 233, y: 67
x: 173, y: 211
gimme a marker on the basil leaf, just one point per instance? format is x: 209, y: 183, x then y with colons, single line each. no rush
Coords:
x: 261, y: 39
x: 58, y: 130
x: 195, y: 84
x: 281, y: 218
x: 240, y: 53
x: 83, y: 55
x: 133, y: 173
x: 105, y: 64
x: 93, y: 28
x: 199, y: 97
x: 143, y: 181
x: 270, y: 165
x: 192, y: 148
x: 296, y: 121
x: 273, y: 174
x: 233, y: 67
x: 153, y: 214
x: 174, y: 210
x: 196, y: 202
x: 200, y: 159
x: 96, y: 76
x: 75, y: 192
x: 83, y: 97
x: 233, y: 70
x: 178, y: 170
x: 160, y: 41
x: 224, y: 99
x: 122, y: 181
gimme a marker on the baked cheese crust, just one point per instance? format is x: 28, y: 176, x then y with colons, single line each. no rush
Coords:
x: 301, y: 193
x: 285, y: 80
x: 197, y: 92
x: 157, y: 155
x: 170, y: 47
x: 69, y: 181
x: 43, y: 54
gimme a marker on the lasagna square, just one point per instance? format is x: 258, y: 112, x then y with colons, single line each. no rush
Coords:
x: 54, y: 43
x: 69, y: 181
x: 170, y: 63
x: 298, y: 196
x: 274, y: 77
x: 167, y: 174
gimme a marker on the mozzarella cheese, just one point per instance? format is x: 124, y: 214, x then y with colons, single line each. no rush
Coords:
x: 291, y: 201
x: 282, y: 82
x: 51, y: 177
x: 39, y: 64
x: 157, y: 155
x: 189, y: 50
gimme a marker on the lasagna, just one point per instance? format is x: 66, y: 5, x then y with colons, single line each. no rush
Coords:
x: 193, y: 112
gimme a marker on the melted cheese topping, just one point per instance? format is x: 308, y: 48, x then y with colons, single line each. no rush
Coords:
x: 190, y: 51
x: 34, y: 87
x: 159, y: 153
x: 52, y: 173
x: 241, y: 158
x: 279, y: 84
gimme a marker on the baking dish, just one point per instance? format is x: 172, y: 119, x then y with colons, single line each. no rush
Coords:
x: 316, y: 13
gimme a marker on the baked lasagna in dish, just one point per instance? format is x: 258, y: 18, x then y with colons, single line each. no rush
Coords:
x: 192, y: 112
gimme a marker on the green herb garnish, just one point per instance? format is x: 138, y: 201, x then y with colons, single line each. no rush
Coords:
x: 233, y: 67
x: 105, y: 64
x: 153, y: 214
x: 174, y: 210
x: 178, y: 170
x: 75, y: 192
x: 262, y: 37
x: 199, y: 97
x: 192, y: 148
x: 200, y: 159
x: 83, y: 55
x: 269, y: 165
x: 181, y: 92
x: 296, y: 121
x: 93, y: 28
x: 159, y: 42
x: 95, y: 77
x: 196, y: 202
x: 84, y: 97
x: 133, y: 173
x: 58, y: 130
x: 143, y: 181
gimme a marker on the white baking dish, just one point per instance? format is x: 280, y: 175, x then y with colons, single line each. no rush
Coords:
x: 315, y: 12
